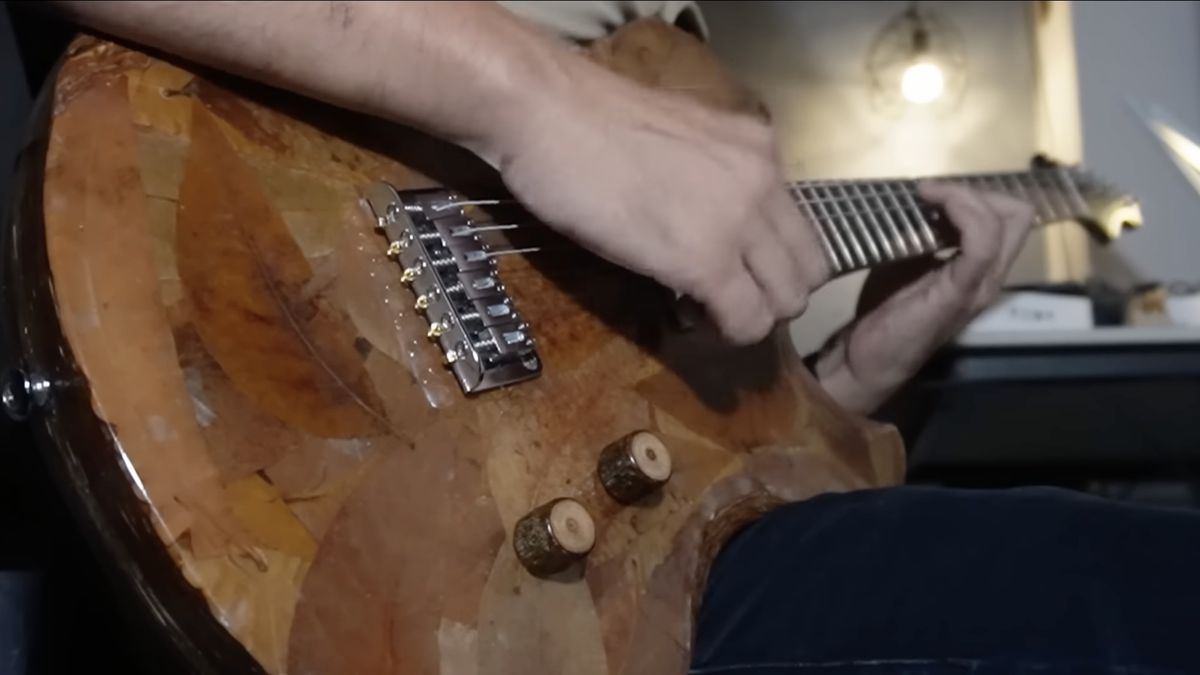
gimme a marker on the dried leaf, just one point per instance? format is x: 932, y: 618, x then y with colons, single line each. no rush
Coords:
x: 290, y: 352
x: 410, y: 550
x: 260, y: 509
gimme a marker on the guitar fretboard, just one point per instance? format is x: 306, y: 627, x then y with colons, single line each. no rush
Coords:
x: 867, y: 223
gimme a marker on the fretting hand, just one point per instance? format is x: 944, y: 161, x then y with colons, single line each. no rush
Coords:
x: 895, y: 334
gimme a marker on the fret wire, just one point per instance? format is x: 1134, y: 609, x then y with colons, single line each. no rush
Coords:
x: 809, y: 200
x: 888, y: 233
x: 851, y: 205
x: 849, y: 202
x: 865, y: 196
x: 1057, y: 197
x: 864, y: 222
x: 1039, y: 214
x: 872, y: 247
x: 841, y: 202
x: 985, y: 182
x: 1043, y: 202
x: 848, y: 258
x: 1073, y: 191
x: 972, y: 182
x: 821, y: 230
x: 906, y: 223
x: 883, y: 190
x: 923, y: 225
x: 855, y: 245
x: 996, y: 184
x: 888, y: 239
x: 1021, y: 193
x: 835, y: 210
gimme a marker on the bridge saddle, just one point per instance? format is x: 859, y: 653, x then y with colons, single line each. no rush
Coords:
x: 454, y: 279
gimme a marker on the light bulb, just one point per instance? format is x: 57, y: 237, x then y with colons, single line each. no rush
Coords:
x: 922, y: 82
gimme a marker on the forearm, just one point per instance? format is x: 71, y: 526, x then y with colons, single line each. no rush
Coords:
x: 462, y: 70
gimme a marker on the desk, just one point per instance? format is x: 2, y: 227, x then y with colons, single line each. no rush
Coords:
x: 1136, y: 352
x: 1065, y: 408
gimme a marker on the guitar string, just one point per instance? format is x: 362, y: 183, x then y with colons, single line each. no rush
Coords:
x: 877, y: 190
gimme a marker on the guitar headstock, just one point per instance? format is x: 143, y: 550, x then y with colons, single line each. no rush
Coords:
x: 1110, y: 210
x: 1104, y: 209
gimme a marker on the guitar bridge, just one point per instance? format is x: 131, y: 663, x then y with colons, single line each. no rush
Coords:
x: 455, y: 283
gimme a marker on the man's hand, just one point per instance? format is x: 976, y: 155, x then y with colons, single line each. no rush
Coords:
x: 889, y: 342
x: 692, y: 197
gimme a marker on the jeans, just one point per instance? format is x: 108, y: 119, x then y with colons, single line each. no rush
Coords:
x: 932, y: 581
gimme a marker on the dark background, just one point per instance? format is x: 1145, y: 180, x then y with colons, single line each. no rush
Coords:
x: 56, y: 612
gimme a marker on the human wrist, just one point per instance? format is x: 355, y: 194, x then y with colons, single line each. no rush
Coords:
x: 537, y: 78
x: 833, y: 370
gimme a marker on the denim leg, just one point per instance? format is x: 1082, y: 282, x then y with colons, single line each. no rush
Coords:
x: 924, y: 580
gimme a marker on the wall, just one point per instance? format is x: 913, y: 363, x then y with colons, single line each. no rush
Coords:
x: 808, y: 61
x: 1149, y: 52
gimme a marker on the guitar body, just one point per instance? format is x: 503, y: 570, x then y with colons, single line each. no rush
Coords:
x: 272, y: 457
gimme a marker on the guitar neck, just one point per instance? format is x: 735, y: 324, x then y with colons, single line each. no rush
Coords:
x: 864, y: 223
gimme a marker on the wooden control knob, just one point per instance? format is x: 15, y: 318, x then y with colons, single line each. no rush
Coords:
x: 552, y: 537
x: 634, y: 466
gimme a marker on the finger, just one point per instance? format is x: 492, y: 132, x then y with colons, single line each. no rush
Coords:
x: 979, y: 228
x: 1016, y: 218
x: 777, y: 275
x: 738, y: 307
x: 1008, y: 206
x: 801, y: 239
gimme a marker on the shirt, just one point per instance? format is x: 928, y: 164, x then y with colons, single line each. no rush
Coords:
x: 587, y: 21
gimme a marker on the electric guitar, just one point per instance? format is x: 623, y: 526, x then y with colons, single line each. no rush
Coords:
x: 323, y: 408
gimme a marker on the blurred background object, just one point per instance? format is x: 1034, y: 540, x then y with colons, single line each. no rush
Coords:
x: 917, y: 58
x: 1085, y: 373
